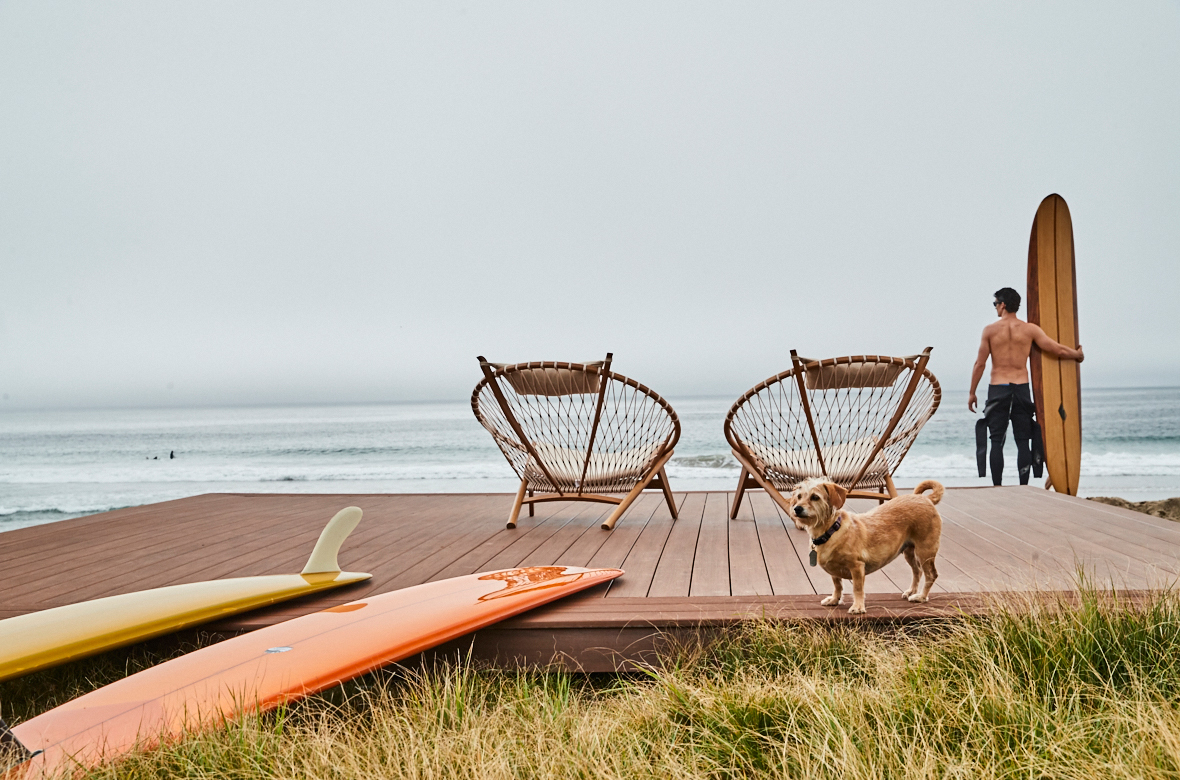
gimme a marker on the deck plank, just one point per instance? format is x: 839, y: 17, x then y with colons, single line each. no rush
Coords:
x: 673, y: 575
x: 1161, y: 528
x: 1139, y: 541
x: 821, y: 583
x: 783, y: 567
x: 128, y: 532
x: 169, y: 558
x: 588, y: 543
x: 1071, y: 545
x: 966, y: 555
x: 477, y: 525
x: 710, y: 568
x: 699, y: 567
x: 640, y: 564
x: 619, y: 542
x: 552, y: 551
x: 530, y: 537
x: 748, y: 575
x: 1022, y: 565
x: 86, y: 534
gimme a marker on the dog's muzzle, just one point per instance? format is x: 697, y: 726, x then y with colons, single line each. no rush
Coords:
x: 800, y: 511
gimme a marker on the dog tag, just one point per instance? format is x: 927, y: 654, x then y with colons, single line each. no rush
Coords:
x: 813, y: 557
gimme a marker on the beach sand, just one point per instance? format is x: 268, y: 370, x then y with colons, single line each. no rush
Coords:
x: 1169, y: 508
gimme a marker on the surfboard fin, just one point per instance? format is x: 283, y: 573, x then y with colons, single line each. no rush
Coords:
x: 323, y: 557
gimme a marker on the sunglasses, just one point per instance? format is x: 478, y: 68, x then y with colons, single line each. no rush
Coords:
x: 996, y: 303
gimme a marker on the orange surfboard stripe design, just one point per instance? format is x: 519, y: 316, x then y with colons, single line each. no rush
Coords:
x: 261, y: 670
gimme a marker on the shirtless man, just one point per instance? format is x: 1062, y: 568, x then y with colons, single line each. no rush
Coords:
x: 1009, y: 343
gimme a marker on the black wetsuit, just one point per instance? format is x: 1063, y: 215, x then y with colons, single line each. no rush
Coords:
x: 1009, y: 402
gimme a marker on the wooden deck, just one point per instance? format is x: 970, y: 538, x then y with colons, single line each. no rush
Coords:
x: 701, y: 571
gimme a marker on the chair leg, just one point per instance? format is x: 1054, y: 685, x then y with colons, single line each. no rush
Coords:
x: 889, y: 484
x: 516, y: 504
x: 770, y: 489
x: 532, y: 506
x: 609, y: 523
x: 671, y: 499
x: 741, y: 491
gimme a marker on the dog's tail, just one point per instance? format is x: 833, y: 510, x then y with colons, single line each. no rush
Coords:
x: 934, y: 486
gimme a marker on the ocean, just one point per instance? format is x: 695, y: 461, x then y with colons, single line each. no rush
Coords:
x: 60, y: 464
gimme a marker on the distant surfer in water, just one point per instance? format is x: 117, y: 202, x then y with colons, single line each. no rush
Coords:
x: 1009, y: 343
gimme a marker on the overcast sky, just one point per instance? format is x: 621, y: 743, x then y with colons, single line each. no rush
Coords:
x: 258, y: 202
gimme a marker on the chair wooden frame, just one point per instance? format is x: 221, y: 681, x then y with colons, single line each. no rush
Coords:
x: 621, y: 432
x: 824, y: 447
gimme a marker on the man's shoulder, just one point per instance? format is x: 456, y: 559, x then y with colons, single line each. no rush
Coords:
x: 993, y: 327
x: 1027, y: 327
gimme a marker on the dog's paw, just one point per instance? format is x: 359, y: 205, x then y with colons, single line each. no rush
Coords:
x: 917, y: 598
x: 831, y: 601
x: 856, y: 610
x: 906, y: 594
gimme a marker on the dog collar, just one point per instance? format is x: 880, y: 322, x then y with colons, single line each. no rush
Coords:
x: 826, y: 535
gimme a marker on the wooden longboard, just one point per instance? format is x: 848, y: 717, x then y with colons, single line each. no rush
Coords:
x: 258, y: 671
x: 43, y: 639
x: 1053, y: 304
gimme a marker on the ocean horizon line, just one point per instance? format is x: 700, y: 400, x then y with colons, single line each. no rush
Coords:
x: 424, y: 401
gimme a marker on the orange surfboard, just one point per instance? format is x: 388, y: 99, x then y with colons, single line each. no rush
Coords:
x: 1053, y: 304
x: 261, y: 670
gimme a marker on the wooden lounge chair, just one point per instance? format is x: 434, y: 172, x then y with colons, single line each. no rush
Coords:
x: 577, y: 432
x: 851, y: 419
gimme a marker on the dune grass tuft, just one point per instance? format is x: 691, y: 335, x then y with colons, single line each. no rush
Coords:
x: 1083, y: 688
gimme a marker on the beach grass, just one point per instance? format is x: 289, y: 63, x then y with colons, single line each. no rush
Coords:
x: 1084, y: 688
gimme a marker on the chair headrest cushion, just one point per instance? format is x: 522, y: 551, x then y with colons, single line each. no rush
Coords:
x: 552, y: 381
x: 852, y: 375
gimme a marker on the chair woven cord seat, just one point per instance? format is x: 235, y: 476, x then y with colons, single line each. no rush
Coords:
x: 608, y: 472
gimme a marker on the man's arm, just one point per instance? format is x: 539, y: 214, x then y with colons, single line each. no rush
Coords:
x: 977, y: 370
x: 1053, y: 348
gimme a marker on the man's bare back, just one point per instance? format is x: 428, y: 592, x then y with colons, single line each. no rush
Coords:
x: 1008, y: 342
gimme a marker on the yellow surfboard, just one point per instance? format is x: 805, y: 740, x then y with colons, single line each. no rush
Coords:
x: 1053, y: 304
x: 43, y: 639
x: 283, y: 662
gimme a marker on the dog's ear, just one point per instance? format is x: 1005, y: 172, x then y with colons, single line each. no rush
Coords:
x: 836, y: 494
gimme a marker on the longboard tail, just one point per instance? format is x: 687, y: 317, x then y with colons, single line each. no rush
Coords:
x: 39, y: 640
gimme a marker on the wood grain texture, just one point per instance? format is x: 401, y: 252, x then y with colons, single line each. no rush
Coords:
x: 673, y: 575
x: 784, y: 565
x: 710, y: 567
x: 747, y: 564
x: 1051, y: 301
x: 700, y: 567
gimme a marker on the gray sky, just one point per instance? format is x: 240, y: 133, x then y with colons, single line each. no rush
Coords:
x: 282, y: 202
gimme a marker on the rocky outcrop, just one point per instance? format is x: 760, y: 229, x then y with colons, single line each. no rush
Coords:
x: 1169, y: 508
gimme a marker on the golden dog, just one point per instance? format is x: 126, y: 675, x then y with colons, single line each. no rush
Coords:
x: 860, y: 544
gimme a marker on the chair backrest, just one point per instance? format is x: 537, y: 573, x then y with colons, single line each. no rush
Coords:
x: 573, y: 427
x: 852, y: 418
x: 550, y: 380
